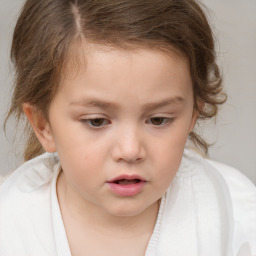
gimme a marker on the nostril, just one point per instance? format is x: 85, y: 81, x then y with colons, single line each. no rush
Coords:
x: 133, y: 160
x: 129, y: 152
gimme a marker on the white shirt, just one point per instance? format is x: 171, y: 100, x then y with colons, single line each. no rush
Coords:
x: 209, y: 209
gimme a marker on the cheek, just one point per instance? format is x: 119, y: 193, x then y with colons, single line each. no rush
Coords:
x: 82, y: 171
x: 169, y: 160
x: 73, y: 139
x: 170, y: 147
x: 167, y: 156
x: 81, y: 160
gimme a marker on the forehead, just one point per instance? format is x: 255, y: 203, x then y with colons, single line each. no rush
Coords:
x: 117, y: 72
x: 81, y: 53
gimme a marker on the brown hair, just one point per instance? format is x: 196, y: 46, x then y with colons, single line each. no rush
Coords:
x: 46, y: 30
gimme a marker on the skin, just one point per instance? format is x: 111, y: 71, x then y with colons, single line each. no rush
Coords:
x: 124, y: 112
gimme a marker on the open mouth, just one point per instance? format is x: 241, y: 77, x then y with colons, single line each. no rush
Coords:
x: 127, y: 185
x: 127, y: 182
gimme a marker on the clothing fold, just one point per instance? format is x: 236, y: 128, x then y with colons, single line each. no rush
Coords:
x: 200, y: 213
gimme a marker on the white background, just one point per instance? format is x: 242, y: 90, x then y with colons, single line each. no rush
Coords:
x: 234, y: 24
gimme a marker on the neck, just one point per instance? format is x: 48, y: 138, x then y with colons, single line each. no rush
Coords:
x: 89, y: 215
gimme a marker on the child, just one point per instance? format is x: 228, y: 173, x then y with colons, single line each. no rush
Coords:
x: 112, y: 90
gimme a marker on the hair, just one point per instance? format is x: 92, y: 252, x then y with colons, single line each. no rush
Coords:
x: 47, y: 30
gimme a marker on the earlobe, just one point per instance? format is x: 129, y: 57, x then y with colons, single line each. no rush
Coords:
x: 40, y: 126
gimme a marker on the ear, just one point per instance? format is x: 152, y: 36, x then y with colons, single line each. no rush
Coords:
x: 193, y: 120
x: 40, y: 126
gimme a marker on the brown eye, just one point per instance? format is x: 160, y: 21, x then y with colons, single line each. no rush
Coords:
x: 160, y: 121
x: 97, y: 122
x: 157, y: 120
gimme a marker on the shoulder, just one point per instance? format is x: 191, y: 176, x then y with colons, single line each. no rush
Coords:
x: 243, y: 199
x: 29, y: 177
x: 26, y: 181
x: 25, y: 208
x: 233, y: 177
x: 38, y: 168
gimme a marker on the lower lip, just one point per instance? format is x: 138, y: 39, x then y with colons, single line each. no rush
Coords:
x: 127, y: 190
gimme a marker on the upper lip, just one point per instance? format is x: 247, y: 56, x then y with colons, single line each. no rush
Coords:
x: 126, y: 177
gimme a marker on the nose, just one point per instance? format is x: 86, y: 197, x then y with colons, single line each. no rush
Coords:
x: 129, y: 146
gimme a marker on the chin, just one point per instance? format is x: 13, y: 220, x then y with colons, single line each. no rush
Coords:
x: 126, y: 212
x: 130, y: 209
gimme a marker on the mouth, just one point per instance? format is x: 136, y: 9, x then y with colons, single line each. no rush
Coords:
x: 126, y: 185
x: 127, y: 181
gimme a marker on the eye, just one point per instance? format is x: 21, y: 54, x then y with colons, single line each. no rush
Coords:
x: 160, y: 121
x: 95, y: 122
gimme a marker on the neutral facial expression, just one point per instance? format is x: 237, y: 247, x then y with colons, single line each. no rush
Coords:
x: 120, y: 125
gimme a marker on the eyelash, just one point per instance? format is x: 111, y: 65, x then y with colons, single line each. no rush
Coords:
x: 88, y: 122
x: 165, y: 122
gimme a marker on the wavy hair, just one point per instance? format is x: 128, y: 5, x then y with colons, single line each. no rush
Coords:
x: 47, y: 30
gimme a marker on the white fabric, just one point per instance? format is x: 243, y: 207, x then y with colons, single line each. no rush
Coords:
x: 209, y: 209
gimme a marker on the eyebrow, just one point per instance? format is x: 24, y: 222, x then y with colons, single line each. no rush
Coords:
x: 111, y: 105
x: 166, y: 102
x: 95, y: 103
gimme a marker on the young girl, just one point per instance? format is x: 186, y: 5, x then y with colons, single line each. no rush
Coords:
x: 112, y: 90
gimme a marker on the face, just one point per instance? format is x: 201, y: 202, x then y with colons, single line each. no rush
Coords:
x: 120, y: 125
